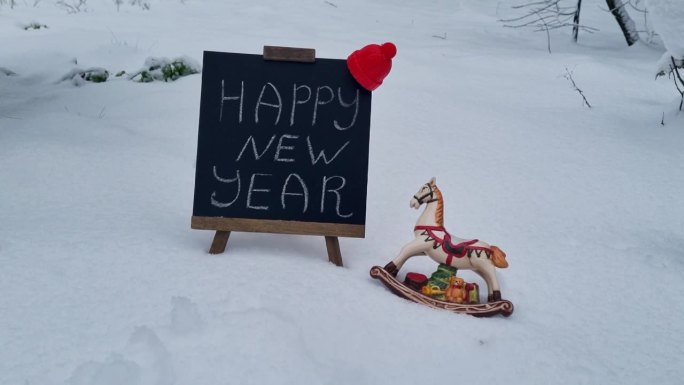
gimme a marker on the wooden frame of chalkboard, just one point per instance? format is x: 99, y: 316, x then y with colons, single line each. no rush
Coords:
x: 282, y: 147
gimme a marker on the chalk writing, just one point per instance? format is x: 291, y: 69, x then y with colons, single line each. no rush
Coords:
x: 315, y: 159
x: 257, y: 156
x: 270, y: 96
x: 260, y: 102
x: 304, y: 193
x: 298, y: 101
x: 252, y: 190
x: 224, y: 98
x: 280, y: 147
x: 354, y: 104
x: 335, y: 191
x: 215, y: 202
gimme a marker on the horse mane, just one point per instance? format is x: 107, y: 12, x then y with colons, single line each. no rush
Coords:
x: 439, y: 214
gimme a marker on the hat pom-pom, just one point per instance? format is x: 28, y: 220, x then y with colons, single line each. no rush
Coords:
x: 389, y: 50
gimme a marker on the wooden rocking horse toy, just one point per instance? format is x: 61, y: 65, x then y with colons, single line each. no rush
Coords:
x: 433, y: 240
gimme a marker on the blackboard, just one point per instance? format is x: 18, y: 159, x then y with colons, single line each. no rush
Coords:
x: 282, y: 147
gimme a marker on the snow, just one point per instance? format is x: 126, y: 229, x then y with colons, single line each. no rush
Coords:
x: 185, y: 316
x: 103, y: 281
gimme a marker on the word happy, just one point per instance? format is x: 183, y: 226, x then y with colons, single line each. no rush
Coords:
x: 271, y: 97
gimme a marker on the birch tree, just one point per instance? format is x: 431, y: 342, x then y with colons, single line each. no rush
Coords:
x: 627, y: 25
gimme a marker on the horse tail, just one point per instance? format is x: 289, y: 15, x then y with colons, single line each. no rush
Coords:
x: 499, y: 258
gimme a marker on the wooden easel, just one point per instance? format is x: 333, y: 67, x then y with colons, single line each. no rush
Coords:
x: 332, y: 243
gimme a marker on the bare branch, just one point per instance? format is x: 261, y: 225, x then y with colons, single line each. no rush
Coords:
x: 547, y: 15
x: 674, y: 70
x: 548, y: 36
x: 568, y: 75
x: 72, y: 6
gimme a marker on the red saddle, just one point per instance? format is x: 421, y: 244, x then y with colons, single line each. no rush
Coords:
x: 458, y: 250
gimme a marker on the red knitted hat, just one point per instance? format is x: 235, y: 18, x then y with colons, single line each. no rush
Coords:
x: 371, y: 64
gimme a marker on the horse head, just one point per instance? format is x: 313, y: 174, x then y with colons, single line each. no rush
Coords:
x: 426, y: 194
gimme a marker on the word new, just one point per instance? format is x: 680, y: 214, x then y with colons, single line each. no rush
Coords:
x: 283, y: 147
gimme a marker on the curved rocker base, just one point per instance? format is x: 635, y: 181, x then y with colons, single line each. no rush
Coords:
x: 488, y: 309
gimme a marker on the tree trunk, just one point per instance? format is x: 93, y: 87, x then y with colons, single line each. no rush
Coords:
x: 575, y: 21
x: 617, y: 8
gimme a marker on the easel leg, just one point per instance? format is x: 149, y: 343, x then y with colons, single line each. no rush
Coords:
x: 334, y: 253
x: 218, y: 246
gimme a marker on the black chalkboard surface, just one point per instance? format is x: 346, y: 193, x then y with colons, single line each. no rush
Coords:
x: 282, y: 147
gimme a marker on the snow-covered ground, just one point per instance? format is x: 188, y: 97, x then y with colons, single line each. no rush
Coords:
x: 102, y: 280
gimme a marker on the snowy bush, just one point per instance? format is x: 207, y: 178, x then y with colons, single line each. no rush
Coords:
x: 155, y: 69
x: 163, y: 69
x: 34, y: 25
x: 79, y: 77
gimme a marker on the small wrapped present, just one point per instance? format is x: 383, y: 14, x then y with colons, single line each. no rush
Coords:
x: 473, y: 293
x: 415, y: 281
